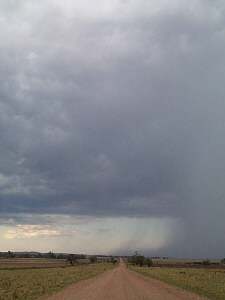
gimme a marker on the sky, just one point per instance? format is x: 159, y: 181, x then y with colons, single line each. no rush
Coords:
x: 112, y: 131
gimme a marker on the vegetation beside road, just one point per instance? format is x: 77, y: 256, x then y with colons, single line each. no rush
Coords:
x: 26, y: 284
x: 207, y: 282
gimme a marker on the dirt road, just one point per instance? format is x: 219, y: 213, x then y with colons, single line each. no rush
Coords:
x: 123, y: 284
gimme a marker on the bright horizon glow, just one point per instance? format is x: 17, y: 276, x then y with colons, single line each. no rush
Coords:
x: 90, y: 237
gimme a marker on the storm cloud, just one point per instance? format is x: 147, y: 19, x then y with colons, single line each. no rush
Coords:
x: 115, y: 109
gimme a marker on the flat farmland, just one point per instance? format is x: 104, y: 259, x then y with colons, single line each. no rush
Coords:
x: 30, y: 283
x: 23, y: 263
x: 204, y: 281
x: 180, y: 262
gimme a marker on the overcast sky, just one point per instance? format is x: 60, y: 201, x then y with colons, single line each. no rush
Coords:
x: 112, y: 126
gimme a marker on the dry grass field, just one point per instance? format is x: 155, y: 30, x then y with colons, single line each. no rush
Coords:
x: 179, y: 261
x: 204, y: 281
x: 30, y: 283
x: 22, y: 263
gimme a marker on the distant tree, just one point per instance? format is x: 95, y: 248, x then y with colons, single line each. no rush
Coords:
x: 27, y: 255
x: 223, y: 261
x: 62, y: 256
x: 79, y: 256
x: 93, y: 259
x: 148, y: 262
x: 141, y: 260
x: 72, y: 259
x: 50, y: 254
x: 113, y: 261
x: 137, y: 260
x: 39, y: 255
x: 206, y: 262
x: 9, y: 254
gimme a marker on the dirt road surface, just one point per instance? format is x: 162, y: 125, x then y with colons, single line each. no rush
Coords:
x: 123, y: 284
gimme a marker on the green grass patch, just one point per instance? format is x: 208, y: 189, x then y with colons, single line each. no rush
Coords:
x: 27, y: 284
x: 207, y: 282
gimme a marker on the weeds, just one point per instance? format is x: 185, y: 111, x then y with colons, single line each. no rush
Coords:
x: 27, y: 284
x: 208, y: 282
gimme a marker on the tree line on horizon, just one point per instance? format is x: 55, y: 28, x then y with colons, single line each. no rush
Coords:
x: 72, y: 259
x: 136, y: 259
x: 141, y: 260
x: 49, y: 255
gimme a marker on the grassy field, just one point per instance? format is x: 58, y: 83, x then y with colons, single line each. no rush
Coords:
x: 208, y: 282
x: 179, y: 261
x: 25, y: 284
x: 22, y: 263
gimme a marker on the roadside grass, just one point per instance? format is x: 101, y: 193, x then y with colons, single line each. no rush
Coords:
x: 207, y: 282
x: 27, y: 284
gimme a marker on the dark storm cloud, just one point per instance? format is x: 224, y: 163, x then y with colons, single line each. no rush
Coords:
x: 113, y: 114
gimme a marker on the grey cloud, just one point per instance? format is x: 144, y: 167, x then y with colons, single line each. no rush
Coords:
x: 105, y: 116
